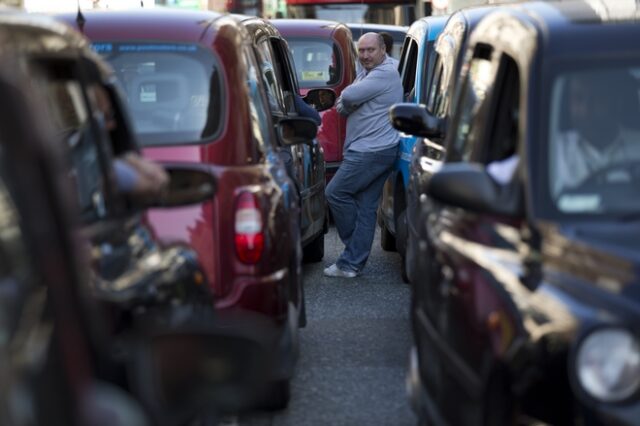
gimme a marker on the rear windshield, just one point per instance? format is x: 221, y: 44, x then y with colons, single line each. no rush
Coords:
x: 317, y: 62
x: 174, y: 91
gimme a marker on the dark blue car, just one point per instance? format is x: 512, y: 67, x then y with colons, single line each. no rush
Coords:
x: 530, y: 308
x: 416, y: 67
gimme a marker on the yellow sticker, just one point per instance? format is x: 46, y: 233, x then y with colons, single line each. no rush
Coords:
x: 313, y: 75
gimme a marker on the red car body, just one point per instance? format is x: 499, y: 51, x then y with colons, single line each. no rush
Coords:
x: 247, y: 237
x: 324, y: 43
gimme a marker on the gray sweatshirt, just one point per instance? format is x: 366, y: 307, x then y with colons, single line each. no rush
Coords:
x: 366, y: 104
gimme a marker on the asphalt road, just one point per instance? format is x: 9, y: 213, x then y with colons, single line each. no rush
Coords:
x: 354, y: 350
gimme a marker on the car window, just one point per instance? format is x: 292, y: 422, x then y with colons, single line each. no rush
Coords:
x: 174, y: 91
x: 502, y: 136
x: 270, y: 76
x: 68, y: 102
x: 427, y: 72
x: 468, y: 124
x: 409, y: 71
x: 260, y: 115
x: 287, y: 71
x: 594, y: 139
x: 443, y: 90
x: 317, y: 61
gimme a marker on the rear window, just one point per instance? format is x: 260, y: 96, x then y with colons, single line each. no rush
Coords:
x: 317, y: 62
x: 174, y: 91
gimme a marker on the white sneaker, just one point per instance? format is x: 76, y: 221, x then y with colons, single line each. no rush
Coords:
x: 334, y: 271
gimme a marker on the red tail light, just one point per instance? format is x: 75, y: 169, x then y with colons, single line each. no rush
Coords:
x: 249, y: 233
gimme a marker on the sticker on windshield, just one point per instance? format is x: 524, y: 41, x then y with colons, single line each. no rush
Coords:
x: 156, y: 48
x: 102, y: 47
x: 315, y: 75
x: 580, y: 203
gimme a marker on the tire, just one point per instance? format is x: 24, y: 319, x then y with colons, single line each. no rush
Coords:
x: 387, y: 240
x: 314, y: 251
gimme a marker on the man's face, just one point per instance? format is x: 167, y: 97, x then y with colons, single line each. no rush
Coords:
x: 370, y: 52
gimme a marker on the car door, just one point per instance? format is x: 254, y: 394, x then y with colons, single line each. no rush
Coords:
x: 476, y: 255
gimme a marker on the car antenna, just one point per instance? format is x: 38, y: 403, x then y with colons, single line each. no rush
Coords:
x: 80, y: 19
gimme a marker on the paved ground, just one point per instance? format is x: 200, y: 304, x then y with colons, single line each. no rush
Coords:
x: 354, y: 349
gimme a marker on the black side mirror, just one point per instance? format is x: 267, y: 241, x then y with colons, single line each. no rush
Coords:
x: 188, y: 184
x: 416, y: 120
x: 296, y: 130
x: 469, y: 186
x: 321, y: 99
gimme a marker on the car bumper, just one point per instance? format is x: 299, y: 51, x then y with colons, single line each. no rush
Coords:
x: 265, y: 295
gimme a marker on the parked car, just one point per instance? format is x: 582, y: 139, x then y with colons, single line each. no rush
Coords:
x: 307, y: 160
x: 396, y: 31
x: 324, y: 57
x: 54, y: 344
x: 429, y: 151
x: 416, y: 70
x: 194, y: 87
x: 531, y: 306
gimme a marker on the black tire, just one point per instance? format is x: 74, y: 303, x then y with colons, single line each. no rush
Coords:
x: 278, y: 396
x: 387, y: 240
x: 314, y: 251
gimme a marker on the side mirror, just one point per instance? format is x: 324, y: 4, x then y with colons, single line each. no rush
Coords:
x: 321, y: 99
x: 200, y: 368
x: 296, y: 130
x: 416, y: 120
x: 469, y: 186
x: 188, y: 184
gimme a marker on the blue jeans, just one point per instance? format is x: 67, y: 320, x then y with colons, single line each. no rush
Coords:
x: 353, y: 195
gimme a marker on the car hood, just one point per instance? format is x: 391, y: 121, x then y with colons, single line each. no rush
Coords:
x: 603, y: 254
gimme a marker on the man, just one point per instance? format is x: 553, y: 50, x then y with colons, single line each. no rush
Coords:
x: 370, y: 150
x: 598, y: 133
x: 388, y: 44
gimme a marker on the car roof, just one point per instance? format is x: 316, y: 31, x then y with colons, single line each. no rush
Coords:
x: 397, y: 32
x: 570, y: 28
x: 429, y: 27
x: 377, y: 27
x: 156, y: 23
x: 311, y: 27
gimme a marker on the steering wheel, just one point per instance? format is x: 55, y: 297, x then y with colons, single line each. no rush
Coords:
x: 628, y: 170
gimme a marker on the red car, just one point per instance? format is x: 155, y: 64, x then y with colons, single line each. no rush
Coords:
x: 325, y: 57
x: 196, y: 95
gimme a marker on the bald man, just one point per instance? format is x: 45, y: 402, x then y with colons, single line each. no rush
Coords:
x: 370, y: 150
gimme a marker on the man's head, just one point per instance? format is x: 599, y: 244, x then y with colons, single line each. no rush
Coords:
x: 371, y: 50
x: 388, y: 42
x: 593, y: 108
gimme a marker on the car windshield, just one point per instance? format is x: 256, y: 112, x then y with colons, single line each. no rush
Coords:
x: 174, y: 91
x: 594, y: 141
x: 317, y: 62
